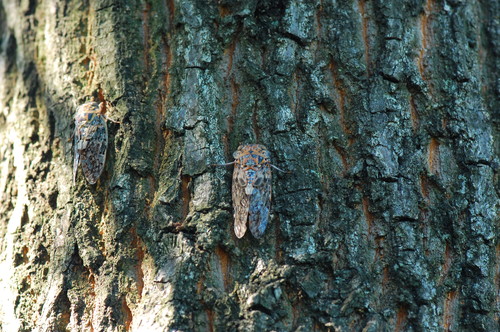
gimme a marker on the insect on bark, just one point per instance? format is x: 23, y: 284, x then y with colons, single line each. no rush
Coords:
x: 251, y: 189
x: 91, y: 140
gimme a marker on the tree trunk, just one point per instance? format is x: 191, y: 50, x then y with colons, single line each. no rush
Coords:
x: 386, y: 114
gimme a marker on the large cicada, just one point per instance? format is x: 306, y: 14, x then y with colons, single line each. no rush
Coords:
x: 251, y: 189
x: 91, y: 140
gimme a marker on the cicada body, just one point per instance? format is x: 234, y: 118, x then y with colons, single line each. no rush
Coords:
x: 91, y: 141
x: 251, y: 189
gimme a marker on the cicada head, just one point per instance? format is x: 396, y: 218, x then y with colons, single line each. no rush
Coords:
x: 86, y: 112
x: 253, y: 163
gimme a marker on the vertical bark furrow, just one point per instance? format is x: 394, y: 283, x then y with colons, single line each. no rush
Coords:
x: 365, y: 24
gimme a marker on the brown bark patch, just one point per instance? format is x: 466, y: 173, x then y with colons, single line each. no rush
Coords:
x: 433, y: 156
x: 447, y: 263
x: 366, y: 41
x: 224, y: 262
x: 425, y: 37
x: 401, y: 318
x: 341, y: 98
x: 449, y: 307
x: 127, y: 314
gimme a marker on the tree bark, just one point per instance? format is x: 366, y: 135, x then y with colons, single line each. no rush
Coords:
x: 386, y: 114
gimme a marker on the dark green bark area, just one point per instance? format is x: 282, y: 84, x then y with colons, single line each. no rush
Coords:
x: 381, y: 112
x: 489, y: 42
x: 463, y: 140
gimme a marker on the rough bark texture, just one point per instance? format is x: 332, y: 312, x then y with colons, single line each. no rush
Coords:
x: 386, y: 113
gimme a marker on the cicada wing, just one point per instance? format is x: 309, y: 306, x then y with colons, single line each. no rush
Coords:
x: 241, y: 203
x: 260, y: 204
x: 93, y: 154
x: 79, y: 138
x: 76, y: 159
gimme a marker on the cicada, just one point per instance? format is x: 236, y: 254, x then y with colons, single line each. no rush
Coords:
x: 251, y: 189
x: 91, y: 140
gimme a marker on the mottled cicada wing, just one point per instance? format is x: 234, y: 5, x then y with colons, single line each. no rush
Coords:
x: 251, y: 189
x: 241, y: 202
x: 260, y: 203
x: 93, y: 156
x: 91, y: 141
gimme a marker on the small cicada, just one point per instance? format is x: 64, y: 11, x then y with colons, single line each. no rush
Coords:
x: 91, y: 140
x: 251, y: 189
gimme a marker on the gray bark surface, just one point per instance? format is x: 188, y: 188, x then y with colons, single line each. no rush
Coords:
x: 387, y: 115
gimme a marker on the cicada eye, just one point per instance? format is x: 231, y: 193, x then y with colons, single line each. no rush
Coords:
x: 237, y: 153
x: 242, y: 181
x: 258, y: 181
